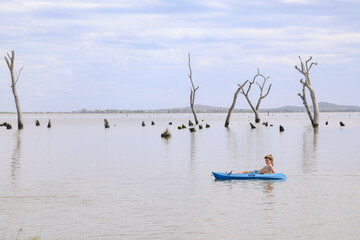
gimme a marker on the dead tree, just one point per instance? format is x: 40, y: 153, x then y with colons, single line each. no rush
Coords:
x: 227, y: 121
x: 192, y: 94
x: 305, y: 68
x: 261, y: 97
x: 14, y: 79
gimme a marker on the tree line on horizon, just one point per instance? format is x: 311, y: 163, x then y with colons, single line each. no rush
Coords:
x: 306, y: 85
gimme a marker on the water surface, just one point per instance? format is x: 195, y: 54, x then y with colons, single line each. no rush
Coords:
x: 79, y: 180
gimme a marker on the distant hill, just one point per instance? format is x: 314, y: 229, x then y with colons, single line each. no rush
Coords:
x: 324, y: 107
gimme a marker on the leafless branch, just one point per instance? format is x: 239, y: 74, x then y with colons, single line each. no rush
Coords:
x: 18, y: 75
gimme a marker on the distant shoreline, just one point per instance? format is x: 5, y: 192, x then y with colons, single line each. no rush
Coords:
x: 324, y: 107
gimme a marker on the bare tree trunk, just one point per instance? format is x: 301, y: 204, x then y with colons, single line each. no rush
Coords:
x: 227, y: 121
x: 305, y: 68
x: 14, y: 78
x: 261, y: 97
x: 192, y: 94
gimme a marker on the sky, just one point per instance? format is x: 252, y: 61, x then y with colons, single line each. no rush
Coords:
x: 133, y: 54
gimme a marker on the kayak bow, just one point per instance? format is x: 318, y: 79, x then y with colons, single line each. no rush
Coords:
x: 247, y: 176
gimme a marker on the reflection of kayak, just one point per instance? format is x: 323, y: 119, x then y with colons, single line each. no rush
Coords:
x: 246, y: 176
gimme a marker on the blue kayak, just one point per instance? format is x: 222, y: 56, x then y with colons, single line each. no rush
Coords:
x: 247, y: 176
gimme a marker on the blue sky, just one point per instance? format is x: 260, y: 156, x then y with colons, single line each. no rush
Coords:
x: 133, y: 54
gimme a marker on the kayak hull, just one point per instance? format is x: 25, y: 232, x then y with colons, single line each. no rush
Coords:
x: 246, y: 176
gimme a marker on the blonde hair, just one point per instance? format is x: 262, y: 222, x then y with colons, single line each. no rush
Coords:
x: 269, y: 156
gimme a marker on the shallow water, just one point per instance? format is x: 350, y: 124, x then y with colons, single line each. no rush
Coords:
x: 79, y: 180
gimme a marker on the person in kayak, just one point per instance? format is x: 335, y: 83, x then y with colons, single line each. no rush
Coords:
x: 267, y: 169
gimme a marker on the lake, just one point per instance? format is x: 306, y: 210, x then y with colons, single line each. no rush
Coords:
x: 78, y: 180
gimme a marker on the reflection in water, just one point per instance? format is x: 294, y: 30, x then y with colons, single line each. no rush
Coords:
x: 269, y: 200
x: 310, y: 147
x: 232, y: 144
x: 192, y: 150
x: 15, y: 159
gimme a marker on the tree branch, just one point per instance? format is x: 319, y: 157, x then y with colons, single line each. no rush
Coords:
x: 313, y: 63
x: 18, y: 75
x: 267, y: 91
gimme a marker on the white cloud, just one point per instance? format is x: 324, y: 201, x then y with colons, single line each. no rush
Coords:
x: 299, y: 2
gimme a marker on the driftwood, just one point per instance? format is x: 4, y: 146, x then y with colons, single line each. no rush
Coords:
x: 304, y: 70
x: 192, y: 94
x: 14, y: 79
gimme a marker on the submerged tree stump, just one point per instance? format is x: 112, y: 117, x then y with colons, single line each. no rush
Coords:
x: 166, y: 134
x: 252, y: 126
x: 183, y: 126
x: 342, y: 124
x: 152, y: 123
x: 207, y: 125
x: 106, y: 123
x: 7, y: 125
x: 200, y: 126
x: 326, y: 123
x: 170, y: 123
x: 281, y: 128
x: 190, y: 123
x: 49, y: 124
x: 192, y: 129
x: 143, y: 124
x: 37, y: 123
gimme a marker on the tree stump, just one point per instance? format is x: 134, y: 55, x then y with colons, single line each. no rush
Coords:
x: 326, y: 123
x: 183, y: 126
x: 143, y: 124
x: 37, y: 123
x: 192, y: 129
x: 252, y: 126
x: 342, y: 124
x: 281, y: 128
x: 207, y: 125
x: 170, y: 123
x: 152, y: 123
x: 106, y: 123
x: 190, y: 123
x: 8, y: 126
x: 49, y: 124
x: 166, y: 134
x: 200, y: 126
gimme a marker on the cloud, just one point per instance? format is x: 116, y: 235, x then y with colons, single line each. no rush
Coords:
x: 299, y: 2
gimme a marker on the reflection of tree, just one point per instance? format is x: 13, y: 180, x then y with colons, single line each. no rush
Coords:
x: 310, y: 147
x: 192, y: 149
x: 232, y: 144
x: 15, y: 158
